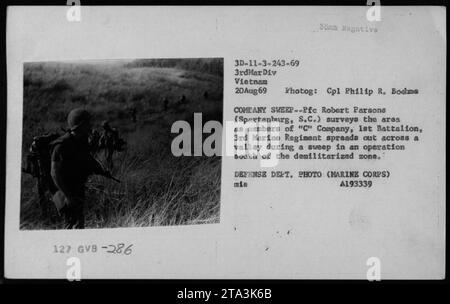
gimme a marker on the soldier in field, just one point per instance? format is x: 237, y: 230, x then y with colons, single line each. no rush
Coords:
x: 94, y: 141
x: 133, y: 114
x: 108, y: 141
x: 165, y: 103
x: 182, y: 100
x: 71, y: 165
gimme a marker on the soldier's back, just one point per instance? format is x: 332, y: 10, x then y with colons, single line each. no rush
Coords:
x: 75, y: 159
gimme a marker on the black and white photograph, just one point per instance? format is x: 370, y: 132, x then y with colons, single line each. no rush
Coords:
x: 225, y: 143
x: 97, y: 139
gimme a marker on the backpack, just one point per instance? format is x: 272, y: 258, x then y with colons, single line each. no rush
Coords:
x: 38, y: 160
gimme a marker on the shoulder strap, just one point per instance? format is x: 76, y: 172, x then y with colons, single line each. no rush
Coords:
x: 64, y: 138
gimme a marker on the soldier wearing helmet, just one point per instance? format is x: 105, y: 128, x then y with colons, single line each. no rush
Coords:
x: 71, y: 165
x: 165, y: 103
x: 108, y: 141
x: 133, y: 114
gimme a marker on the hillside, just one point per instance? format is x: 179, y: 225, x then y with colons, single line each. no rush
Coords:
x: 157, y: 188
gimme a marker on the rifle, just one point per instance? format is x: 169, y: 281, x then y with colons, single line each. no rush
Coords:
x: 109, y: 175
x: 115, y: 179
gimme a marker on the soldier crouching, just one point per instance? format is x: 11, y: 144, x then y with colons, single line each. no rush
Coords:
x: 71, y: 165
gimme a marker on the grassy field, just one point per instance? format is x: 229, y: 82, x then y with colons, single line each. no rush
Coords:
x: 157, y: 188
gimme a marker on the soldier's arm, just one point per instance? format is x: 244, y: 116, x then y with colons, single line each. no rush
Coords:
x: 57, y: 171
x: 57, y: 176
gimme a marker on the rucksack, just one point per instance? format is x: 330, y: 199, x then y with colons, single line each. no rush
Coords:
x: 38, y: 160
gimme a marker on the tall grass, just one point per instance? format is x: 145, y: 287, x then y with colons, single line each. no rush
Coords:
x: 156, y: 188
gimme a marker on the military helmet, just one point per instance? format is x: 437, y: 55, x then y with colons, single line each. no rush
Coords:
x: 77, y: 117
x: 105, y: 124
